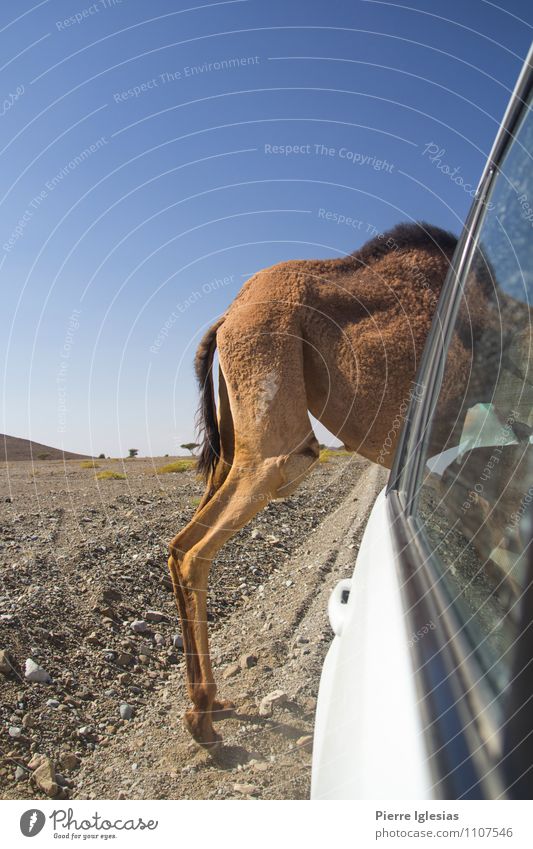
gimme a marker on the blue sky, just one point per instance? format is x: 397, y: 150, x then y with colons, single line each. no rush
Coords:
x: 156, y: 155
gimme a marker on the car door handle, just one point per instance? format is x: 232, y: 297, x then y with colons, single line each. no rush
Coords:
x: 337, y: 605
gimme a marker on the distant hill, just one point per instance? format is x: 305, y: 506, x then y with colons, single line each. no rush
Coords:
x: 13, y: 448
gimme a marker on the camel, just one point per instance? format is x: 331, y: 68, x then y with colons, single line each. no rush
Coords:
x: 338, y: 338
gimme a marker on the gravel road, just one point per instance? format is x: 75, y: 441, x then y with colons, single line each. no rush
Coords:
x: 85, y: 596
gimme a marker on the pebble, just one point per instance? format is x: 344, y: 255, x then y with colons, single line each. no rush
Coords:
x: 139, y: 626
x: 44, y: 778
x: 246, y: 661
x: 52, y: 703
x: 20, y: 774
x: 155, y: 616
x: 126, y: 711
x: 15, y: 731
x: 245, y: 789
x: 273, y: 540
x: 68, y: 760
x: 35, y: 673
x: 305, y: 742
x: 231, y: 670
x: 177, y: 641
x: 266, y: 706
x: 5, y: 663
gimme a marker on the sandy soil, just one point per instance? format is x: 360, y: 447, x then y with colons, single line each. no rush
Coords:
x: 82, y: 559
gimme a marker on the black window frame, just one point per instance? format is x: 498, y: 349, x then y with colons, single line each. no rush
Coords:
x: 474, y: 750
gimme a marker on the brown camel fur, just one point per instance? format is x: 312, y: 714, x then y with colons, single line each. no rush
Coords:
x: 340, y: 338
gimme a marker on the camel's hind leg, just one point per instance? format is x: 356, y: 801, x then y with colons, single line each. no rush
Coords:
x: 270, y: 460
x: 244, y: 493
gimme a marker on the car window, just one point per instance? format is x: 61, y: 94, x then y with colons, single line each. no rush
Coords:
x: 475, y: 493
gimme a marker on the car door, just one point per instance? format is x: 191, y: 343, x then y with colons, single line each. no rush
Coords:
x: 428, y: 686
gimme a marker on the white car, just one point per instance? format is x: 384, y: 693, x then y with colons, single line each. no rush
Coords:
x: 427, y: 688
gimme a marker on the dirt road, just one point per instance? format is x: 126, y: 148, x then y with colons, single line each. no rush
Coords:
x: 269, y: 632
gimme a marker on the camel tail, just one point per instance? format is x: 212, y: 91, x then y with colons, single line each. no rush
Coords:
x: 207, y: 424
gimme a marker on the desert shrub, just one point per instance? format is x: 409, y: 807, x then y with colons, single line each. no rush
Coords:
x: 89, y: 464
x: 176, y: 466
x: 330, y: 453
x: 108, y: 475
x: 43, y: 456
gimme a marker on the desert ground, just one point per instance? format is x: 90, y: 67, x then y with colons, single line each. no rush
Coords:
x: 85, y: 595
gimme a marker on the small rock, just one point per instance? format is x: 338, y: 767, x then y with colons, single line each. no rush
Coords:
x: 125, y: 659
x: 93, y: 639
x: 5, y: 662
x: 68, y: 760
x: 231, y: 670
x: 266, y: 707
x: 245, y: 789
x: 256, y: 534
x: 155, y: 616
x: 52, y: 703
x: 246, y: 661
x: 305, y: 742
x: 36, y: 761
x: 288, y: 583
x: 20, y: 774
x: 139, y: 626
x: 35, y: 673
x: 110, y: 595
x: 44, y: 778
x: 126, y: 711
x: 15, y: 732
x: 85, y: 730
x: 177, y: 641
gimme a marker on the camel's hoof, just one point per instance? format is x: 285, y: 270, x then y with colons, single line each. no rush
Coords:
x: 202, y: 731
x: 223, y: 708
